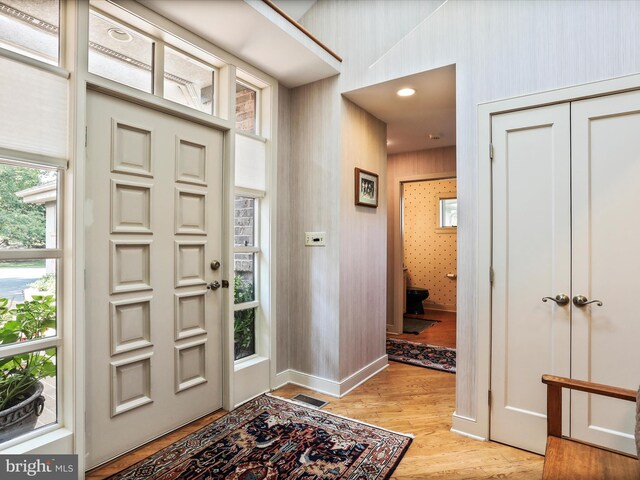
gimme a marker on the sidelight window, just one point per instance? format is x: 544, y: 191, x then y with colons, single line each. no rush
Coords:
x: 246, y: 252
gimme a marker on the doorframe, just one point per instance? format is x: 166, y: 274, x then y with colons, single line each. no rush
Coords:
x: 71, y: 438
x: 398, y: 249
x: 479, y: 427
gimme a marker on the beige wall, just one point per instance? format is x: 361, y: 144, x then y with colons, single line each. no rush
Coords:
x: 314, y: 206
x: 501, y: 49
x: 336, y: 313
x: 429, y: 252
x: 402, y: 166
x: 363, y: 231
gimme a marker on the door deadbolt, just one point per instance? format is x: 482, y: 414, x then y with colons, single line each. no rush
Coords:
x: 215, y: 265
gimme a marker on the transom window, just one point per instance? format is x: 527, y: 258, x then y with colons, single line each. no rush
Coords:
x: 31, y: 28
x: 125, y: 55
x: 247, y: 108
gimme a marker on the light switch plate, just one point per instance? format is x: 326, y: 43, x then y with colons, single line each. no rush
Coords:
x: 314, y: 239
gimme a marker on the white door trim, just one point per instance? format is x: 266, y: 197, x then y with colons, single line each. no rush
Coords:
x: 398, y: 281
x: 478, y: 427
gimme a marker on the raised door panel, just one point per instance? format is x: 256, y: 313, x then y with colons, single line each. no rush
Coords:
x: 606, y: 235
x: 531, y: 260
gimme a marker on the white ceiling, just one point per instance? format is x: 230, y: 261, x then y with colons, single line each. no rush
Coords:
x: 295, y: 8
x: 410, y: 120
x: 254, y: 32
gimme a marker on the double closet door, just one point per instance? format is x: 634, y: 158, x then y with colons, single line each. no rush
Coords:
x: 566, y: 195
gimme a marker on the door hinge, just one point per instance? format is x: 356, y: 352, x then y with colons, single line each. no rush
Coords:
x: 86, y: 135
x: 491, y: 151
x: 491, y: 275
x: 489, y: 397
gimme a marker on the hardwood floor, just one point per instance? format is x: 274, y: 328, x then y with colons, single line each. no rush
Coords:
x: 406, y: 399
x: 442, y: 333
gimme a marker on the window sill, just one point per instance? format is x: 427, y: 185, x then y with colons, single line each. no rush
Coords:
x: 249, y: 362
x: 59, y: 440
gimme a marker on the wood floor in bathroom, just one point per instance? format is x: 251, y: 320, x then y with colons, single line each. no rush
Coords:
x: 442, y: 333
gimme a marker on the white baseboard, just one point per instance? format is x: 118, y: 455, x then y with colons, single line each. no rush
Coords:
x: 468, y: 427
x: 319, y: 384
x: 281, y: 379
x: 331, y: 387
x: 364, y: 374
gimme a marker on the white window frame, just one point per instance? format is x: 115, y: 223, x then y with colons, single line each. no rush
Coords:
x: 157, y: 64
x: 61, y: 341
x: 56, y: 341
x: 256, y: 251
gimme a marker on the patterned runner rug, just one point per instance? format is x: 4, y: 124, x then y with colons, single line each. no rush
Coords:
x: 275, y: 439
x: 422, y: 355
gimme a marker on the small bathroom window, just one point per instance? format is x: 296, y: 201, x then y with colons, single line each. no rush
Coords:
x: 448, y: 213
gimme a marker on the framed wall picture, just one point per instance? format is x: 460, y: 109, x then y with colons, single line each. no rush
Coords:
x: 366, y: 188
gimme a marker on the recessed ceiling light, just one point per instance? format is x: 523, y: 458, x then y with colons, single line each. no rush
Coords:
x: 406, y: 92
x: 119, y: 35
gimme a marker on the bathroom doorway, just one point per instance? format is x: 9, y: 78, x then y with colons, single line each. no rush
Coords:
x: 420, y: 113
x: 428, y: 227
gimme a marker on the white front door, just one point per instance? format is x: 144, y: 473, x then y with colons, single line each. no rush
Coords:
x: 153, y: 328
x: 605, y: 139
x: 531, y: 260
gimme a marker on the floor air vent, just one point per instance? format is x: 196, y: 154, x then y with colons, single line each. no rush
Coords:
x: 314, y: 402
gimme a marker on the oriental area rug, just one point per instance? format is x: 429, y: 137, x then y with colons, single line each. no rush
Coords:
x: 422, y: 355
x: 270, y: 438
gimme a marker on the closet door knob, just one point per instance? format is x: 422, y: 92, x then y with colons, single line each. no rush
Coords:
x: 581, y: 301
x: 561, y: 299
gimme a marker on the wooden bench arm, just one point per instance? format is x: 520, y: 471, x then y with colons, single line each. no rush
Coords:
x: 597, y: 388
x: 554, y: 397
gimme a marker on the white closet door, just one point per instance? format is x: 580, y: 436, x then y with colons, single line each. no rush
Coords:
x: 605, y: 135
x: 154, y: 203
x: 531, y: 260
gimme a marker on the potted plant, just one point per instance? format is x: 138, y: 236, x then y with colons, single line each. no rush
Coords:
x: 21, y: 400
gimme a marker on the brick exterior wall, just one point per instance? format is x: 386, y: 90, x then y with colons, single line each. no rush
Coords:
x: 245, y: 109
x: 244, y: 234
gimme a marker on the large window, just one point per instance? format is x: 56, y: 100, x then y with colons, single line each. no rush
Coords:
x: 30, y: 257
x: 245, y: 285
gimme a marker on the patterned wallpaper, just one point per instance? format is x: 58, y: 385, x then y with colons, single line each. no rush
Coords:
x: 429, y: 254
